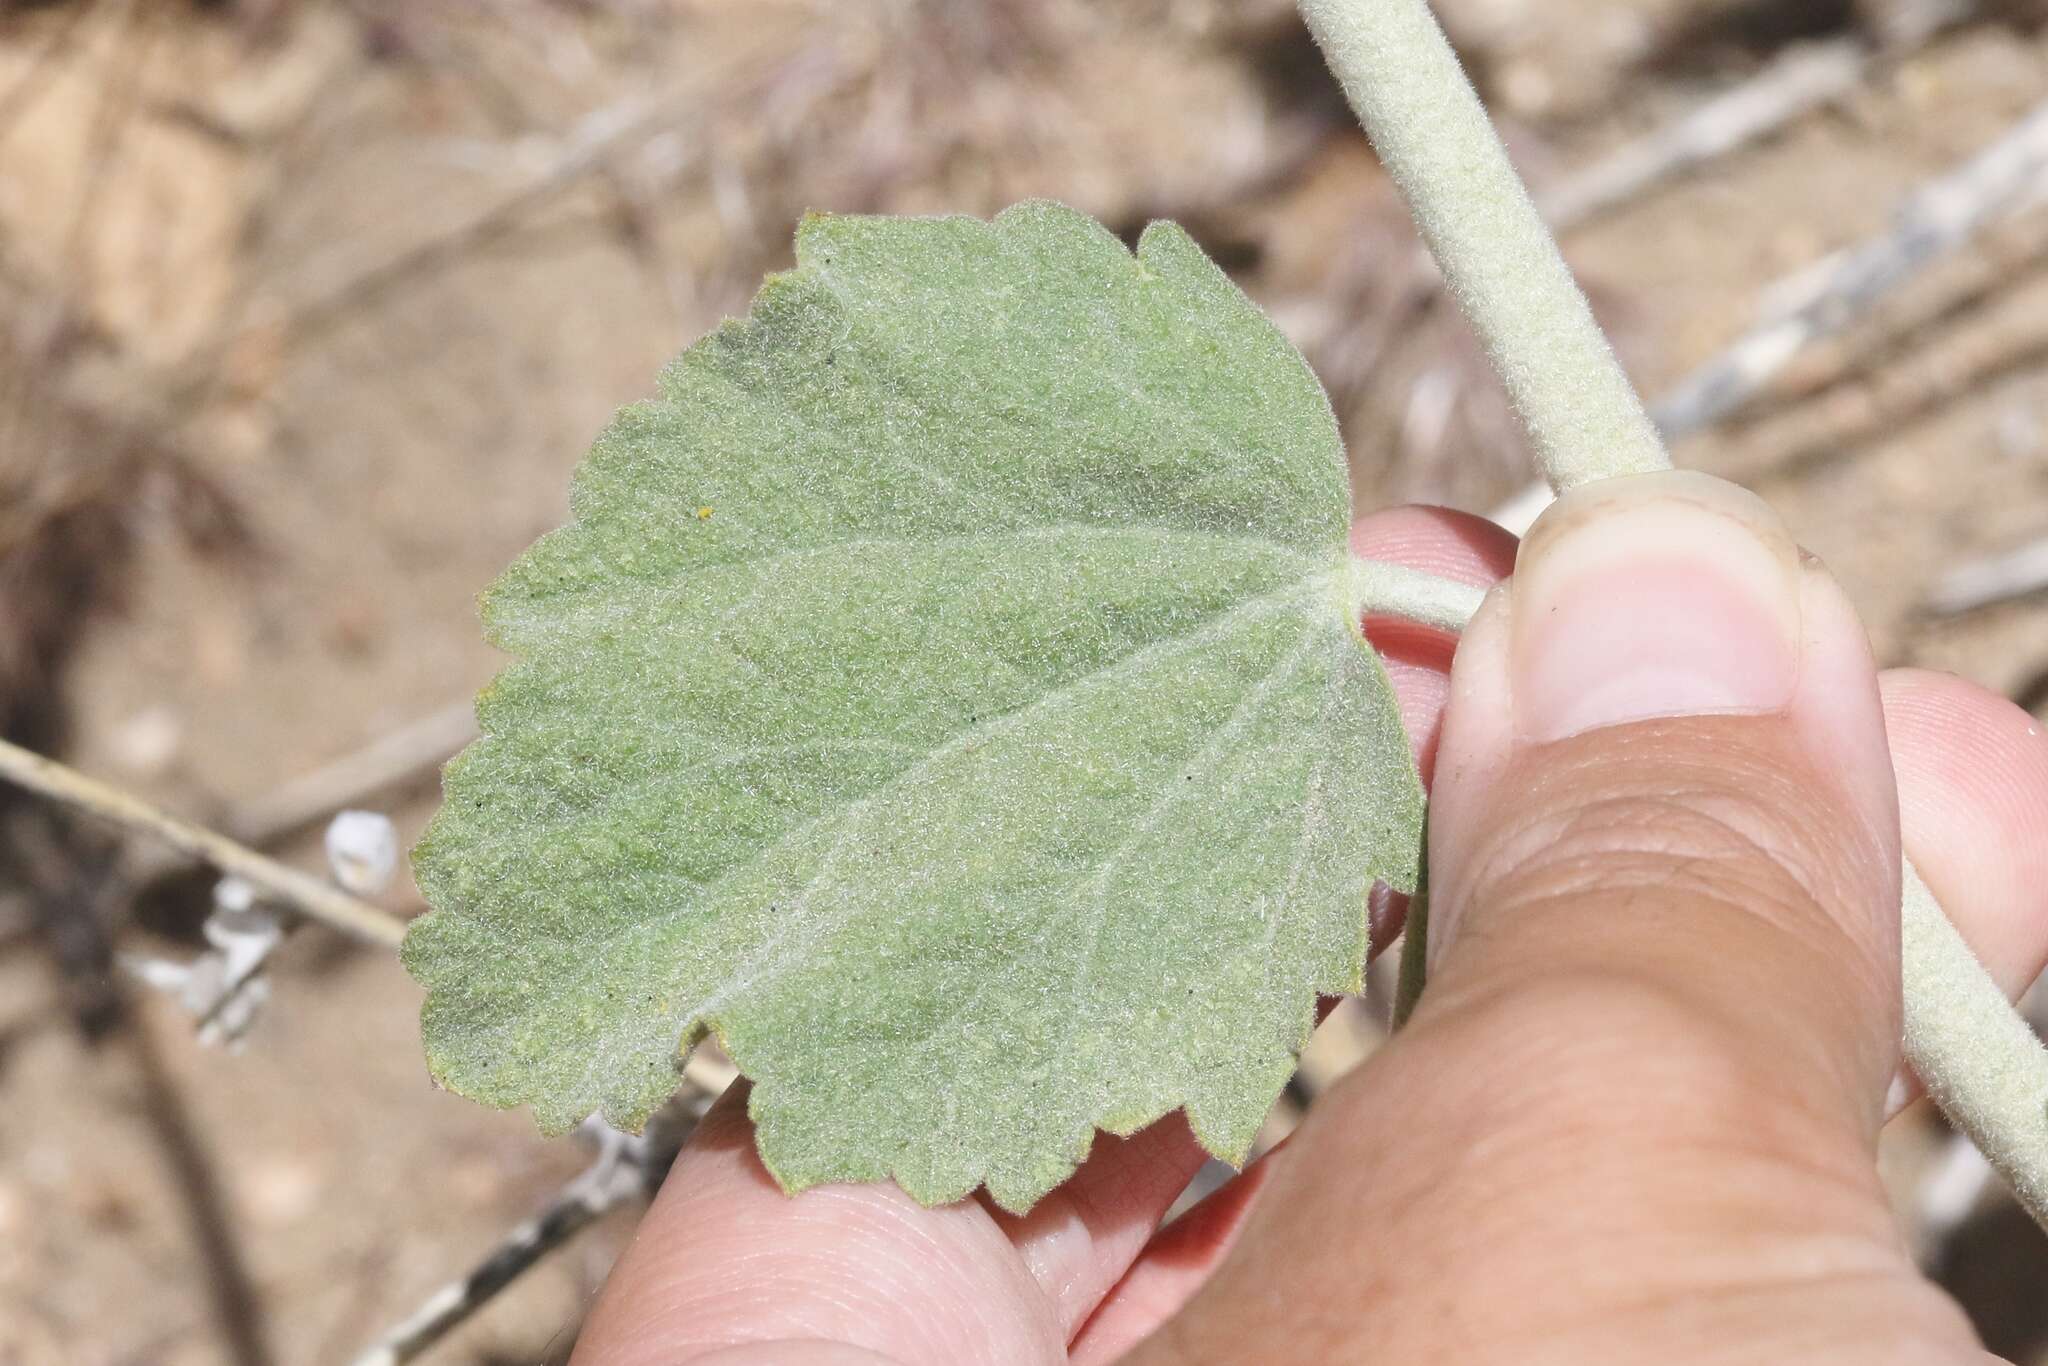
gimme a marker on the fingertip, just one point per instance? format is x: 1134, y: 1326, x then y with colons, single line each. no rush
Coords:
x: 1973, y: 806
x: 1174, y: 1266
x: 1456, y: 545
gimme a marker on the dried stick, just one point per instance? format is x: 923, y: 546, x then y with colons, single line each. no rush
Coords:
x: 1946, y: 1197
x: 627, y: 1167
x: 391, y: 759
x: 612, y: 1180
x: 304, y: 893
x: 1798, y: 82
x: 1935, y: 219
x: 596, y: 138
x: 1999, y: 578
x: 1819, y: 301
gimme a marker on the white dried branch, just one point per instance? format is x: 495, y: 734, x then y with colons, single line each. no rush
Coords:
x: 1799, y: 81
x: 399, y: 756
x: 627, y: 1168
x: 1934, y: 220
x: 1999, y: 578
x: 1820, y: 300
x: 613, y: 1179
x: 302, y: 892
x: 1947, y: 1195
x: 223, y: 986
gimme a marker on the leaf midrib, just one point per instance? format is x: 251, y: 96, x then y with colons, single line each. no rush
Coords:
x: 641, y: 585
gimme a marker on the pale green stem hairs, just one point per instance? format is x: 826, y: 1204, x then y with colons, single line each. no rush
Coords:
x: 1433, y: 135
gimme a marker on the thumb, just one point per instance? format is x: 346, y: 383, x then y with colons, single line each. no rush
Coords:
x: 1664, y: 772
x: 1633, y: 1117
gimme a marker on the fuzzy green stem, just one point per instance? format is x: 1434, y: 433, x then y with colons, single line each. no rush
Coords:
x: 1581, y: 413
x: 1373, y: 588
x: 1979, y: 1060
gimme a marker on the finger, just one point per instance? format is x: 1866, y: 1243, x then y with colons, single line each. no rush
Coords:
x: 1667, y: 760
x: 1081, y: 1238
x: 1973, y: 792
x: 1455, y: 545
x: 1636, y: 1110
x: 1172, y: 1268
x: 1973, y: 806
x: 724, y: 1257
x: 1973, y: 802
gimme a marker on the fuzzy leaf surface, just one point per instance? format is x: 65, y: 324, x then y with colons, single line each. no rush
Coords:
x: 945, y: 693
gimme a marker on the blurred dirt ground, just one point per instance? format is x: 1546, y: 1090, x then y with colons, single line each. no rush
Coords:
x: 308, y: 309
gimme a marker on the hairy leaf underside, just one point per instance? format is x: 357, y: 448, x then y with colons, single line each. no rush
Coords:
x: 945, y: 693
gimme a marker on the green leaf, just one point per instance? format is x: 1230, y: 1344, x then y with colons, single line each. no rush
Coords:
x: 945, y: 693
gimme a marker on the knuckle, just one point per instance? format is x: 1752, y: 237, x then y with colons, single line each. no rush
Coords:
x: 1616, y: 1092
x: 1682, y: 816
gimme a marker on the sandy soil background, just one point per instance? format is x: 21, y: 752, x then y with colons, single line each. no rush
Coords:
x: 308, y: 309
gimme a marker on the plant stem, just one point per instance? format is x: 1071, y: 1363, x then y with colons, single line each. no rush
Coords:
x: 1979, y: 1060
x: 303, y: 892
x: 1376, y: 589
x: 1581, y: 413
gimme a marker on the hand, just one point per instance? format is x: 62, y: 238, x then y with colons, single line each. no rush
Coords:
x: 1633, y: 1119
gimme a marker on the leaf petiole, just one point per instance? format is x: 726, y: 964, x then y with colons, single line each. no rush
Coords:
x: 1374, y: 588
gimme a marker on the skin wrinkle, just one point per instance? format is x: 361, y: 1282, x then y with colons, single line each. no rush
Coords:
x: 1760, y: 1014
x: 1654, y: 1310
x: 833, y: 1293
x: 1736, y: 815
x: 817, y: 1352
x: 1485, y: 1223
x: 1537, y: 1047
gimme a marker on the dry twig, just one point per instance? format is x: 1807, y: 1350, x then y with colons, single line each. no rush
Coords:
x: 1935, y: 219
x: 1797, y: 82
x: 1820, y: 301
x: 1800, y: 81
x: 627, y: 1167
x: 2000, y: 578
x: 394, y: 758
x: 304, y: 893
